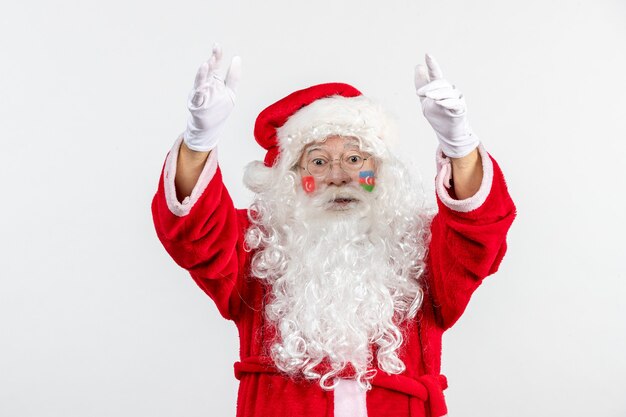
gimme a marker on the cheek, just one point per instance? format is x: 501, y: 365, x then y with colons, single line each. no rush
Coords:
x: 367, y: 180
x: 308, y: 184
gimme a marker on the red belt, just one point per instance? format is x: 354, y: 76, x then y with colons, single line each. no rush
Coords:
x: 423, y: 389
x: 255, y: 365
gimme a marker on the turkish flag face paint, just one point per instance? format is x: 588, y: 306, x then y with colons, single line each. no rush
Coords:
x: 367, y: 180
x: 308, y: 184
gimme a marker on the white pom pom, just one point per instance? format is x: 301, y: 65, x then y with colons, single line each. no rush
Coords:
x: 257, y: 177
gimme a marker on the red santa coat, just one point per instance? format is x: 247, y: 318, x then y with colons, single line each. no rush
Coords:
x: 205, y: 235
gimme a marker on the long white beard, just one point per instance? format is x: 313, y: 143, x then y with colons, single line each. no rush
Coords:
x: 341, y: 282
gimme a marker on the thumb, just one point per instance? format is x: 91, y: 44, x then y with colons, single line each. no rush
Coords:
x: 234, y: 74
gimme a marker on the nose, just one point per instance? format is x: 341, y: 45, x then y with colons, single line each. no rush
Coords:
x: 337, y: 176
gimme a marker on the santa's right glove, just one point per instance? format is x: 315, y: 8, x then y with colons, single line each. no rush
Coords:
x: 444, y: 108
x: 210, y: 102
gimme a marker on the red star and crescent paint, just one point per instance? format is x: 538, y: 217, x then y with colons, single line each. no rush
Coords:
x: 308, y: 184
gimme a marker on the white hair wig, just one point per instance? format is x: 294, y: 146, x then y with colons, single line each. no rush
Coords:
x: 328, y: 305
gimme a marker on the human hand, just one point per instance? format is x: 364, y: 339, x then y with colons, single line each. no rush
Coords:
x: 210, y: 102
x: 444, y: 107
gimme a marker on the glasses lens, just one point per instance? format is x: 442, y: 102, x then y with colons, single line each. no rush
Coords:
x: 352, y: 162
x: 318, y: 166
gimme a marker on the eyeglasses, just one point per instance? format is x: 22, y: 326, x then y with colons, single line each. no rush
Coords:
x: 319, y: 166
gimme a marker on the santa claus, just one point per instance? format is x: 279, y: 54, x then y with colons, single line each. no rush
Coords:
x: 338, y: 278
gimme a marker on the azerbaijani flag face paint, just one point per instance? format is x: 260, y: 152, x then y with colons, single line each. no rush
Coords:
x: 367, y: 180
x: 308, y: 184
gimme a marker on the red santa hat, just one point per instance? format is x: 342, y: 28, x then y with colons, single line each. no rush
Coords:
x: 310, y: 115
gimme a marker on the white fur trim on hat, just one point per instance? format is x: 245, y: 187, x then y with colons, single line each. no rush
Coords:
x: 357, y: 117
x: 257, y: 176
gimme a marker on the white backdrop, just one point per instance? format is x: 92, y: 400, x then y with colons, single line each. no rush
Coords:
x: 97, y: 320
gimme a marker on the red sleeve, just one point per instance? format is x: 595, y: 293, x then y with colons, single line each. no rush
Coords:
x: 204, y: 237
x: 467, y: 246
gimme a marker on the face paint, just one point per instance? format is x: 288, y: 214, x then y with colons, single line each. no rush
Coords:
x: 367, y: 180
x: 308, y: 184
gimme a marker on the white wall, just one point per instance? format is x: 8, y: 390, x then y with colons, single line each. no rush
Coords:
x: 97, y: 320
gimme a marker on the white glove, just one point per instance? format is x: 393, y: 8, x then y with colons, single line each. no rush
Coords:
x: 444, y: 108
x: 210, y: 102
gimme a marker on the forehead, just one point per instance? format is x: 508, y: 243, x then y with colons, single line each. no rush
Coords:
x: 333, y: 143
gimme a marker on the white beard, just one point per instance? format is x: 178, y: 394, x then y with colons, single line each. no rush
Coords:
x: 341, y: 281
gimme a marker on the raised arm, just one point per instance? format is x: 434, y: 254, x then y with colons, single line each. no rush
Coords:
x: 468, y: 238
x: 444, y: 107
x: 210, y: 102
x: 468, y: 235
x: 193, y: 214
x: 188, y: 168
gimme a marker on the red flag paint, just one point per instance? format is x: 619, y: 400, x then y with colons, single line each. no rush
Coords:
x: 308, y: 184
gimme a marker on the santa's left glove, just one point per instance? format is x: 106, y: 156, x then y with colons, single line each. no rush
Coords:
x: 210, y: 102
x: 444, y: 107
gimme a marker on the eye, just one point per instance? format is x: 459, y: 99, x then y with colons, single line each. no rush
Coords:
x: 318, y: 162
x: 354, y: 159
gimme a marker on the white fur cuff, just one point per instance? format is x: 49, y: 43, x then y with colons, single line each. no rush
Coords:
x: 442, y: 183
x: 182, y: 209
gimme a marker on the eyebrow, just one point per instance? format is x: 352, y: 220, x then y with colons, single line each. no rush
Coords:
x: 313, y: 148
x: 352, y: 144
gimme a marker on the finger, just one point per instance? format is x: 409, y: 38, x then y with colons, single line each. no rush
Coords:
x: 455, y: 104
x: 234, y: 74
x: 217, y: 51
x: 201, y: 75
x: 421, y: 76
x: 433, y: 68
x: 432, y: 86
x: 444, y: 93
x: 216, y: 59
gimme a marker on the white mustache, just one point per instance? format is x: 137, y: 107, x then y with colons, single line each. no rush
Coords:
x: 333, y: 193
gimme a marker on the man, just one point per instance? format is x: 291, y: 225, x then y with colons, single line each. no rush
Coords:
x: 338, y: 280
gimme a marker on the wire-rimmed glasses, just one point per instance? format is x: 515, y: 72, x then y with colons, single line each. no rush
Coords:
x: 319, y: 165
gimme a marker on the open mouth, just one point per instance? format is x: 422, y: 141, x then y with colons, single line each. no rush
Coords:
x: 342, y: 203
x: 343, y: 200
